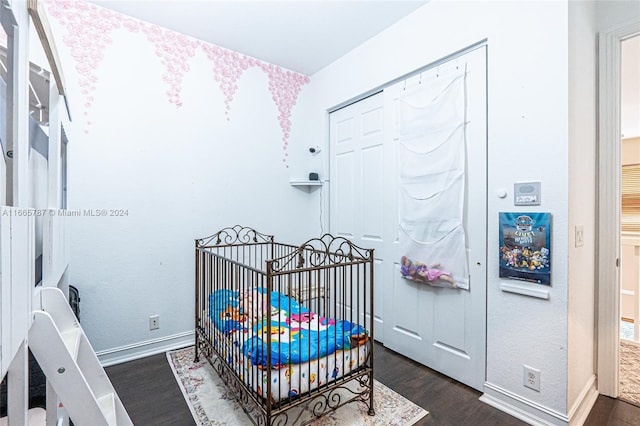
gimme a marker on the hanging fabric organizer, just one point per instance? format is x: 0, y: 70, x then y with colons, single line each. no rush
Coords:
x: 430, y: 120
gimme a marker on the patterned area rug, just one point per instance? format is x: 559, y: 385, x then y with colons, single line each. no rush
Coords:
x: 630, y: 372
x: 211, y: 402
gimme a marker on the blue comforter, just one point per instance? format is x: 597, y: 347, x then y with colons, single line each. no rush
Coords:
x: 297, y: 334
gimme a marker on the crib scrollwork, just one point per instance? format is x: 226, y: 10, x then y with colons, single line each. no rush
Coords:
x: 324, y: 251
x: 320, y: 405
x: 233, y: 235
x: 238, y: 391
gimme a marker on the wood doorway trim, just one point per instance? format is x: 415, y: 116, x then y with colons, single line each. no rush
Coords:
x: 608, y: 215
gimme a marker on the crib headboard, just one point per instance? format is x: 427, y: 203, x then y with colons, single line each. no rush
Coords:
x: 326, y: 251
x: 234, y: 235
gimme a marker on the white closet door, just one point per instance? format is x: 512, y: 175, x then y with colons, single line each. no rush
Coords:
x: 360, y: 187
x: 445, y: 328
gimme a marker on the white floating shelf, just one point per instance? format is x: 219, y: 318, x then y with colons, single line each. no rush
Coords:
x: 305, y: 182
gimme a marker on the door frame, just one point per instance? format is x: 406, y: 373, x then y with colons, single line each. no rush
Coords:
x: 608, y: 206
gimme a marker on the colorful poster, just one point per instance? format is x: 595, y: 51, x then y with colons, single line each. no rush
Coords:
x: 525, y: 247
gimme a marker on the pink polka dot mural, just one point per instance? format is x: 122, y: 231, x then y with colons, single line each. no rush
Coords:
x: 88, y: 33
x: 174, y: 50
x: 228, y: 67
x: 284, y: 86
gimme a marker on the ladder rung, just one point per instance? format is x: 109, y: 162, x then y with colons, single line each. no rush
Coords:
x: 71, y: 340
x: 108, y: 407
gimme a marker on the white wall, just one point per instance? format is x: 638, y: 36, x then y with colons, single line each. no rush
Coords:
x: 179, y: 173
x: 582, y: 184
x: 527, y: 140
x: 612, y: 13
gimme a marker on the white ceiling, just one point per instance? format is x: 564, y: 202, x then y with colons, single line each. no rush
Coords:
x: 301, y: 35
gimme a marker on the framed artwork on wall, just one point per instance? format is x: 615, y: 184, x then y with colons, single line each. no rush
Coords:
x: 525, y: 247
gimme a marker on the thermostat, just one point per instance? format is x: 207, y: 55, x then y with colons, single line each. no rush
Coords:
x: 526, y: 194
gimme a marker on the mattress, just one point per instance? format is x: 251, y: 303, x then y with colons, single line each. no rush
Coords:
x: 307, y: 350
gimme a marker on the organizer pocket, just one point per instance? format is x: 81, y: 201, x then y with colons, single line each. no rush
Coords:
x: 426, y: 201
x: 426, y: 142
x: 421, y: 111
x: 448, y: 156
x: 438, y: 247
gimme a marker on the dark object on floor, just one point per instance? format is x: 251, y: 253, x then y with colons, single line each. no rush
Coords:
x: 74, y: 301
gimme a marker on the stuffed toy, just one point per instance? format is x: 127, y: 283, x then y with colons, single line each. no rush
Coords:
x: 253, y: 304
x: 420, y: 272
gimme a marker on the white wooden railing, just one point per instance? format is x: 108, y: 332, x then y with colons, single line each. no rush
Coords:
x: 17, y: 275
x: 55, y: 265
x: 55, y: 251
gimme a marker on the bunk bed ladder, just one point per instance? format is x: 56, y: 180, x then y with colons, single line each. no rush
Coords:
x: 71, y: 365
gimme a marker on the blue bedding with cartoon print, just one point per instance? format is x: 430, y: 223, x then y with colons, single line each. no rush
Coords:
x: 298, y: 335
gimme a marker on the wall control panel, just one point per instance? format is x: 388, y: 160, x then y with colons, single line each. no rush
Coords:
x: 526, y: 194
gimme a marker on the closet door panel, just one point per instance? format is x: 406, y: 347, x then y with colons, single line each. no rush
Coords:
x: 443, y: 328
x: 407, y: 306
x: 359, y: 194
x: 345, y: 192
x: 448, y: 331
x: 372, y: 194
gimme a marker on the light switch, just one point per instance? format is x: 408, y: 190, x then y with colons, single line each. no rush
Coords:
x: 579, y: 235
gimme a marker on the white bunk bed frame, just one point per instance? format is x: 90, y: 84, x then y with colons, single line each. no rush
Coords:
x: 40, y: 318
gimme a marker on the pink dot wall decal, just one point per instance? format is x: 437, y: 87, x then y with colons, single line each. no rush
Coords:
x: 284, y: 86
x: 88, y: 34
x: 174, y: 51
x: 89, y: 31
x: 228, y: 67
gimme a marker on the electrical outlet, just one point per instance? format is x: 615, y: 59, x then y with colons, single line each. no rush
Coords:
x: 579, y: 235
x: 532, y: 378
x: 154, y: 322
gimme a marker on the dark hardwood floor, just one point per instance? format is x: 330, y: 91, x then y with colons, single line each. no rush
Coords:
x: 613, y: 412
x: 448, y: 402
x: 151, y: 395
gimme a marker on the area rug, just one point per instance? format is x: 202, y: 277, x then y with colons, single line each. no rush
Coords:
x: 629, y: 372
x: 211, y: 402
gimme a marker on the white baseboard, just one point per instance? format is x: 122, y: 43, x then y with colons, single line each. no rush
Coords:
x: 584, y: 403
x: 146, y: 348
x: 521, y: 408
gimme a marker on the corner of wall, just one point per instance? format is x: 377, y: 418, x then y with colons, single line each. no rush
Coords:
x: 582, y: 201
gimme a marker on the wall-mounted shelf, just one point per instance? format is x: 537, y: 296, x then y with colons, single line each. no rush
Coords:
x: 295, y: 182
x: 307, y: 185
